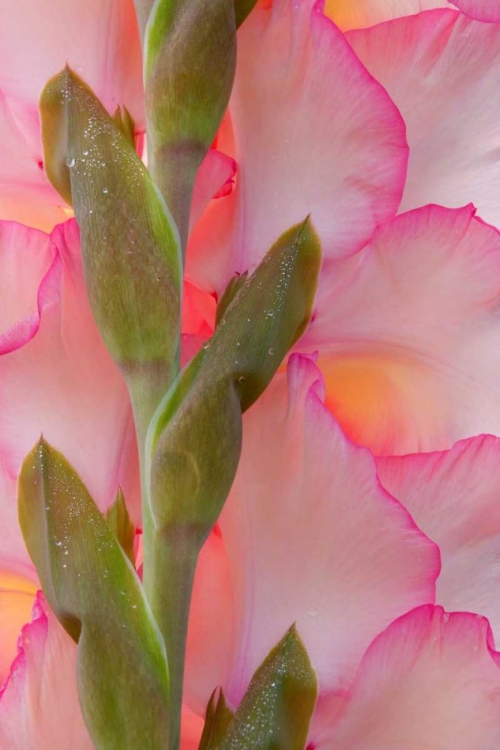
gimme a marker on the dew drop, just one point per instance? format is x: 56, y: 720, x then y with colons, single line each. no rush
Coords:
x: 105, y: 191
x: 241, y: 379
x: 205, y: 345
x: 271, y: 351
x: 70, y: 162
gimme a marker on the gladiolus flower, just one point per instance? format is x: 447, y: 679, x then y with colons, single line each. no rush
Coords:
x: 362, y: 519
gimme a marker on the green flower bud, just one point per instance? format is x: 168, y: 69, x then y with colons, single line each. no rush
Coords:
x: 130, y: 245
x: 94, y: 591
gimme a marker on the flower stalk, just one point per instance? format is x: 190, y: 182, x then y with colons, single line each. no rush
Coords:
x: 133, y: 226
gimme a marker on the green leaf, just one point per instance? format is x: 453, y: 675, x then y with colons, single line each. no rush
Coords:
x: 120, y: 524
x: 131, y: 251
x: 277, y: 708
x: 230, y: 293
x: 125, y: 122
x: 194, y: 439
x: 190, y: 58
x: 242, y: 9
x: 217, y: 721
x: 96, y: 594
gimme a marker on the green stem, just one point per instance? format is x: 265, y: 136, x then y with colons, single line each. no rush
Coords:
x: 169, y: 584
x: 170, y: 556
x: 174, y: 172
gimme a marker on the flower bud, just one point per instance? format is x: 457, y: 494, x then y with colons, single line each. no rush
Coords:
x: 190, y: 57
x: 194, y: 440
x: 94, y: 591
x: 276, y: 710
x: 130, y: 245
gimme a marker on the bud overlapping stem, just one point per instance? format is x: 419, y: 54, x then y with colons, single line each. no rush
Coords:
x: 189, y: 66
x: 194, y: 440
x: 93, y: 589
x: 133, y: 226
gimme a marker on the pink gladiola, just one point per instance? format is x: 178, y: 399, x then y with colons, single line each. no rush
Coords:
x: 365, y: 503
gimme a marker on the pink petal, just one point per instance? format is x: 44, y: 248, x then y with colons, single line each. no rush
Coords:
x: 62, y: 381
x: 27, y: 287
x: 432, y: 680
x: 210, y: 618
x: 442, y: 70
x: 198, y: 321
x: 97, y: 38
x: 301, y: 145
x: 13, y: 554
x: 482, y: 10
x: 454, y: 498
x: 192, y: 728
x: 198, y: 311
x: 25, y: 193
x: 409, y: 333
x: 16, y: 601
x: 356, y: 14
x: 311, y: 538
x: 39, y: 706
x: 214, y: 180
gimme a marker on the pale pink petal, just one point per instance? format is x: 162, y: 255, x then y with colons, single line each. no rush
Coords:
x: 442, y: 70
x: 356, y: 14
x: 198, y: 320
x: 97, y: 38
x: 482, y: 10
x: 431, y: 680
x: 63, y: 383
x: 28, y: 286
x: 198, y: 311
x: 14, y: 556
x: 16, y: 601
x: 210, y: 617
x: 311, y: 538
x: 214, y: 180
x: 192, y: 728
x: 39, y: 707
x: 454, y: 497
x: 409, y: 333
x: 25, y: 193
x: 302, y: 107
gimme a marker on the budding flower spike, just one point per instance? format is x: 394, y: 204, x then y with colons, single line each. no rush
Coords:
x: 249, y: 381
